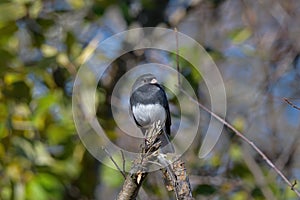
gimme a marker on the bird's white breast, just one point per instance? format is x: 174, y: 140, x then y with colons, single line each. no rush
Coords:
x: 148, y: 114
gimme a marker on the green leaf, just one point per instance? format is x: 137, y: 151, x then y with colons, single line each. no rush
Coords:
x: 69, y: 168
x: 7, y: 31
x: 7, y: 55
x: 43, y: 187
x: 35, y: 8
x: 205, y: 190
x: 43, y: 105
x: 19, y: 91
x: 3, y: 112
x: 57, y: 134
x: 23, y: 148
x: 240, y: 170
x: 11, y: 11
x: 3, y: 130
x: 111, y: 177
x: 257, y: 193
x: 42, y: 156
x: 5, y: 192
x: 34, y: 190
x: 235, y: 152
x: 242, y: 195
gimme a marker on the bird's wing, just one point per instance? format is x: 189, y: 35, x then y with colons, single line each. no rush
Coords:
x: 131, y: 112
x: 163, y: 100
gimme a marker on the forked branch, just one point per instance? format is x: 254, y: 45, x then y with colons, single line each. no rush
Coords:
x: 175, y: 172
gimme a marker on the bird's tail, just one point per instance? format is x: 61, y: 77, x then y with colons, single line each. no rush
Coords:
x: 166, y: 145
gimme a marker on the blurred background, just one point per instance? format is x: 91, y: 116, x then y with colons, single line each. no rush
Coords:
x: 255, y: 44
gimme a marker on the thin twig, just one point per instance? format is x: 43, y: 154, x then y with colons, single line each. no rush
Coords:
x: 239, y: 134
x: 294, y: 184
x: 177, y: 57
x: 260, y: 179
x: 111, y: 158
x: 123, y: 158
x: 291, y: 104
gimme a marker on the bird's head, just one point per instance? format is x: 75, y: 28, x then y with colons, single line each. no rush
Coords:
x: 143, y: 80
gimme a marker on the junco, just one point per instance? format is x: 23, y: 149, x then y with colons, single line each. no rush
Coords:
x: 148, y: 104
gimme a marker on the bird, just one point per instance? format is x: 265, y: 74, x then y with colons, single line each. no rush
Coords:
x: 148, y: 105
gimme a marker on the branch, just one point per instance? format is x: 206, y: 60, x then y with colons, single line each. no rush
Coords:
x: 175, y: 173
x: 239, y: 134
x: 257, y: 173
x: 131, y: 186
x: 176, y: 178
x: 114, y: 162
x: 291, y: 104
x: 139, y: 170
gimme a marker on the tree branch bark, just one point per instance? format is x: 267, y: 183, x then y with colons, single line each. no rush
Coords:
x: 174, y: 172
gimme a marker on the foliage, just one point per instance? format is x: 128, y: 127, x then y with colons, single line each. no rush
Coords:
x: 41, y: 156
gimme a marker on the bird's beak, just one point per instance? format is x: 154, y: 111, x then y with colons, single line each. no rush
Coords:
x: 153, y: 81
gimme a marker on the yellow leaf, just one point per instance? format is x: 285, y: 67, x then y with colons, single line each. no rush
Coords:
x: 235, y: 152
x: 48, y: 51
x: 239, y: 123
x: 241, y: 36
x: 76, y: 3
x: 10, y: 78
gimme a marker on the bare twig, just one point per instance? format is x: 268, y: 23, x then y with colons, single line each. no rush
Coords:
x: 123, y: 158
x: 239, y: 134
x: 257, y: 173
x: 286, y: 155
x: 177, y: 57
x: 114, y: 162
x: 294, y: 184
x: 291, y: 104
